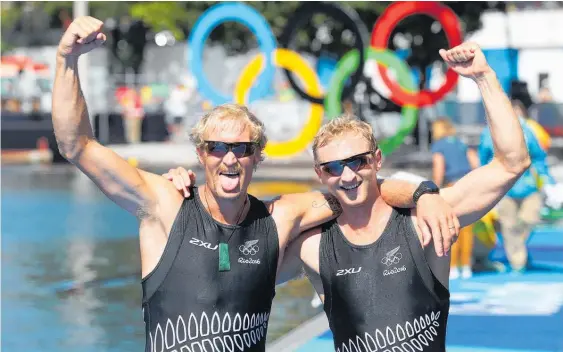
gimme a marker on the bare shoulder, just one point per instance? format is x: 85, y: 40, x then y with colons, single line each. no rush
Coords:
x: 311, y: 238
x: 167, y: 200
x: 156, y: 219
x: 310, y: 248
x: 283, y: 217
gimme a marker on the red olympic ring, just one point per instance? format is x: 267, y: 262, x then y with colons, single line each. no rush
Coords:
x: 382, y: 30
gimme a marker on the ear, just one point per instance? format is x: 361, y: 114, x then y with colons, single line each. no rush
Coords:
x: 200, y: 155
x: 319, y: 172
x: 257, y: 157
x: 378, y: 159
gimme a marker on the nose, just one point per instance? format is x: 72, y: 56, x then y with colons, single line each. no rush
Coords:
x: 230, y: 159
x: 347, y: 175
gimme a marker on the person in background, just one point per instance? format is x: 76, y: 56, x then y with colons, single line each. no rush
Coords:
x: 543, y: 137
x: 519, y: 210
x: 451, y: 160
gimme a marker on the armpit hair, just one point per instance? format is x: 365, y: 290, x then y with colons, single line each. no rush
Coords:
x: 147, y: 211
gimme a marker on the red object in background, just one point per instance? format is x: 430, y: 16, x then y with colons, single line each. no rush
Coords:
x: 381, y: 34
x: 556, y: 131
x: 11, y: 65
x: 128, y: 97
x: 131, y: 101
x: 42, y: 143
x: 65, y: 18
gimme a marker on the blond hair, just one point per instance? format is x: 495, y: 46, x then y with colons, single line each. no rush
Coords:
x: 442, y: 127
x: 230, y: 115
x: 339, y: 126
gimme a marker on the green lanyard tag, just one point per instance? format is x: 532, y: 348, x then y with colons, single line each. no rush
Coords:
x: 224, y: 260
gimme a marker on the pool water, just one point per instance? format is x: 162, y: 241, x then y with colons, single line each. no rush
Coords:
x: 58, y: 229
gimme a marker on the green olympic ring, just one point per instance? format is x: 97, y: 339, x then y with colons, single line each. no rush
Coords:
x: 348, y: 65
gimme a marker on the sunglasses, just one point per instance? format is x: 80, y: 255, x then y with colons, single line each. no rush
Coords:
x: 355, y: 163
x: 239, y: 149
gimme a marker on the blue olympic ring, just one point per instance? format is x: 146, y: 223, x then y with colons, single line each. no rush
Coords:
x: 247, y: 16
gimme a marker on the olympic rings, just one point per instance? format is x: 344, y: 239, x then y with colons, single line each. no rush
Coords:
x: 382, y: 31
x: 210, y: 19
x: 349, y: 17
x: 387, y: 58
x: 292, y: 61
x: 404, y: 93
x: 252, y: 250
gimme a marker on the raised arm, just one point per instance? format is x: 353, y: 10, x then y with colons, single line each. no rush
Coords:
x: 121, y: 182
x: 480, y: 190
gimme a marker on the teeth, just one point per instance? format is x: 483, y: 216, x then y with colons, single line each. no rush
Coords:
x: 350, y: 187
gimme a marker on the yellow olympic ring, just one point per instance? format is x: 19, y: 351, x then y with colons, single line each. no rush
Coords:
x: 289, y: 60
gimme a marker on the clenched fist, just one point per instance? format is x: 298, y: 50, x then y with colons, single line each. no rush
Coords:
x: 83, y: 35
x: 467, y: 60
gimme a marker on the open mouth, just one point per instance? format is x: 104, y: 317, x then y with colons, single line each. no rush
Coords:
x: 350, y: 187
x: 230, y: 174
x: 230, y: 180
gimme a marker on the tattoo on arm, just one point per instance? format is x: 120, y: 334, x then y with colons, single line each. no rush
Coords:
x: 330, y: 202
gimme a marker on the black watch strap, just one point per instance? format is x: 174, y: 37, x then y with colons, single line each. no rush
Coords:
x: 424, y: 188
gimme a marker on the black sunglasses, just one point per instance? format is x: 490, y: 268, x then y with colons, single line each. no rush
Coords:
x: 355, y: 162
x: 239, y: 149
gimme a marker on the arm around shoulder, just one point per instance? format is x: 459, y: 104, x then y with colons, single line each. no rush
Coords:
x: 304, y: 210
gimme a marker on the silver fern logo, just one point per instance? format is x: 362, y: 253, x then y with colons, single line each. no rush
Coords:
x: 392, y: 257
x: 226, y: 334
x: 249, y: 247
x: 409, y: 337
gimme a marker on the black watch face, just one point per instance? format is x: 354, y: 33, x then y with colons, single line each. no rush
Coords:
x: 431, y: 186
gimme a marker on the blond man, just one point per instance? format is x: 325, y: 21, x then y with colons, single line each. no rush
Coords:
x: 209, y: 260
x: 380, y: 288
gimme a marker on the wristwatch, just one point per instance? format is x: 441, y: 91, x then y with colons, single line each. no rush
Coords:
x: 424, y: 188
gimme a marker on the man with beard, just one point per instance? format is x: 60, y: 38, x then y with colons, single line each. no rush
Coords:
x: 209, y: 261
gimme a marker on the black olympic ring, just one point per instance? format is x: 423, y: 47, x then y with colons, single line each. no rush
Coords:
x: 392, y: 260
x: 349, y: 17
x: 250, y: 250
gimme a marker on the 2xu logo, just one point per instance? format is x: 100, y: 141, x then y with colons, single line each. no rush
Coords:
x: 342, y: 272
x: 203, y: 244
